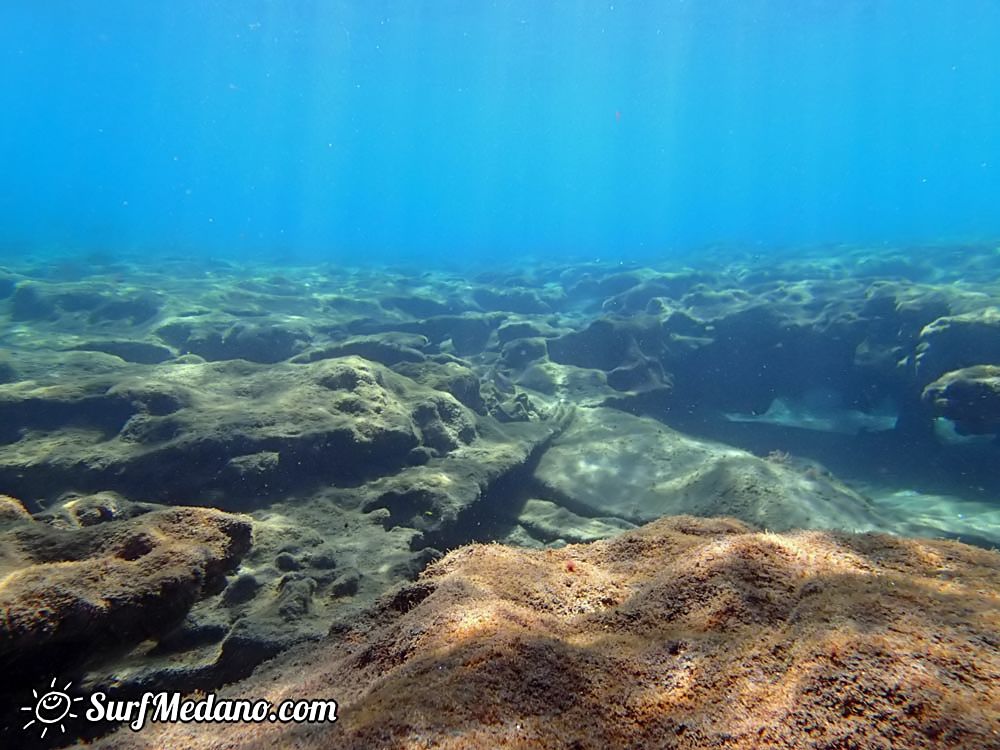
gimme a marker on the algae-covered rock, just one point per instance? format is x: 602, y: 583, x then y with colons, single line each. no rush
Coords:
x: 690, y: 633
x: 140, y: 352
x: 184, y: 430
x: 456, y: 378
x: 102, y: 585
x: 439, y: 499
x: 969, y: 397
x: 957, y: 342
x: 238, y: 339
x: 386, y: 348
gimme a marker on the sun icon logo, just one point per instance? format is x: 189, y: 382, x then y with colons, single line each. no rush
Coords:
x: 51, y: 708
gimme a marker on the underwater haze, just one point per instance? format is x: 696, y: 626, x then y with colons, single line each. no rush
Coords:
x: 479, y: 130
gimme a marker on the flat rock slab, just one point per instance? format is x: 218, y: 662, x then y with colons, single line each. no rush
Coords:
x: 688, y: 633
x: 608, y: 463
x: 548, y: 522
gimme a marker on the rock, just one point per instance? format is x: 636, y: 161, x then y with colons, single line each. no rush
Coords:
x: 130, y: 351
x: 74, y: 510
x: 520, y: 330
x: 420, y: 455
x: 99, y: 586
x: 420, y: 306
x: 547, y: 522
x: 12, y: 511
x: 286, y: 561
x: 691, y: 633
x: 346, y: 584
x: 521, y: 537
x: 637, y: 298
x: 253, y: 474
x: 641, y: 374
x: 510, y: 300
x: 627, y: 350
x: 357, y: 472
x: 323, y: 559
x: 295, y: 594
x: 518, y: 353
x: 605, y: 286
x: 437, y: 499
x: 611, y: 464
x: 737, y: 351
x: 519, y: 407
x: 467, y: 332
x: 231, y: 427
x: 577, y: 385
x: 250, y: 642
x: 76, y: 298
x: 969, y: 397
x: 443, y: 423
x: 189, y: 635
x: 386, y: 348
x: 216, y: 341
x: 607, y: 343
x: 242, y: 589
x: 135, y: 308
x: 29, y: 303
x: 455, y: 378
x: 957, y: 342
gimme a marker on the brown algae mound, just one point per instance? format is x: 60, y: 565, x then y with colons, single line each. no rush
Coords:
x: 685, y: 633
x: 100, y: 586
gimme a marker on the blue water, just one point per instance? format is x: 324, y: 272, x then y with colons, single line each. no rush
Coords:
x: 489, y: 129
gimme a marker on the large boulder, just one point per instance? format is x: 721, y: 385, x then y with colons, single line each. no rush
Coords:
x: 969, y: 397
x: 685, y: 633
x: 608, y: 463
x: 99, y: 586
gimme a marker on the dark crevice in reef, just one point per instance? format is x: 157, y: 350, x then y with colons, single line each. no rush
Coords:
x: 494, y: 515
x: 102, y: 414
x: 489, y: 519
